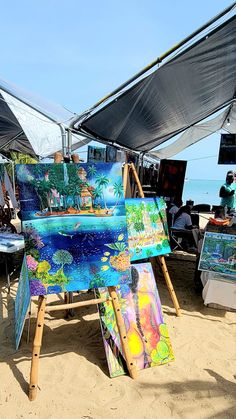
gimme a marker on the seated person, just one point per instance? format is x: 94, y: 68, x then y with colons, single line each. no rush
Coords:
x: 172, y: 209
x: 183, y: 221
x: 175, y: 206
x: 182, y: 218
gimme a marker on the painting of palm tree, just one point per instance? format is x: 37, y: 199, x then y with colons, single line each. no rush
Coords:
x: 102, y: 181
x: 219, y: 254
x: 75, y: 225
x: 146, y: 232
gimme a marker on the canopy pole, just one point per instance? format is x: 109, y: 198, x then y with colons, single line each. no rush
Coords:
x: 157, y: 61
x: 63, y: 139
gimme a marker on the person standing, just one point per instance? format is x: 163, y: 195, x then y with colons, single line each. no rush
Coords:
x: 227, y: 192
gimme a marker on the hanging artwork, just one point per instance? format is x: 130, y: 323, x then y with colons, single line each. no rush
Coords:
x: 22, y: 302
x: 147, y: 333
x: 96, y: 154
x: 74, y: 225
x: 219, y: 254
x: 147, y: 227
x: 111, y: 154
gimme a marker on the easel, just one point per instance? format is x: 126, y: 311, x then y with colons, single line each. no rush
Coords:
x: 43, y: 308
x: 129, y: 167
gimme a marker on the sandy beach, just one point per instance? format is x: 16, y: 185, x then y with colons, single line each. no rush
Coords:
x: 73, y: 374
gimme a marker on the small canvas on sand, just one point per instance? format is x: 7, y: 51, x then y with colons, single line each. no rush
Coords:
x: 147, y: 333
x: 74, y: 225
x: 147, y: 227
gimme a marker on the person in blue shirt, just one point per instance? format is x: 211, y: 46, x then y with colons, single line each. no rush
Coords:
x: 227, y: 192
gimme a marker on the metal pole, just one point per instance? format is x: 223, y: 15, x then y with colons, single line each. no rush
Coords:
x: 63, y: 139
x: 157, y: 61
x: 69, y: 142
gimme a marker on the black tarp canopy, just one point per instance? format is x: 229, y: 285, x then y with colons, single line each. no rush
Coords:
x: 187, y: 89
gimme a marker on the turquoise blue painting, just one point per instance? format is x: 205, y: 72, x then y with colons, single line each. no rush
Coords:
x: 74, y: 225
x: 22, y: 302
x: 147, y: 227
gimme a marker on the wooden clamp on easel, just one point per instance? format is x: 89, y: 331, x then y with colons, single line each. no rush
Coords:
x: 43, y: 308
x: 130, y: 167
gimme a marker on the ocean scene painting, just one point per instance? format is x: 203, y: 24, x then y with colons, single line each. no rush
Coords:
x: 147, y: 227
x: 147, y: 333
x: 22, y: 302
x: 74, y: 225
x: 219, y: 254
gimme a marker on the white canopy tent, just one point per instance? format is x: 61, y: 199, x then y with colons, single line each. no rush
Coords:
x: 31, y: 125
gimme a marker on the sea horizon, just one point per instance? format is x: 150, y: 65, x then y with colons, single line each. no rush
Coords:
x: 202, y: 191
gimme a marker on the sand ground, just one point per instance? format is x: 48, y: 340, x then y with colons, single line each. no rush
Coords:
x: 73, y: 375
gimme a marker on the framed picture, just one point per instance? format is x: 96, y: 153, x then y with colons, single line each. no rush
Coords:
x: 111, y: 154
x: 227, y: 151
x: 96, y: 154
x: 219, y: 254
x: 171, y: 178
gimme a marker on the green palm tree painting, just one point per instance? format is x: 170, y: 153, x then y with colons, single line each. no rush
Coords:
x: 146, y: 232
x: 219, y: 254
x: 76, y: 238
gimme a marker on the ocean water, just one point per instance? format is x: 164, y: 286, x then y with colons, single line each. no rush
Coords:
x: 202, y: 191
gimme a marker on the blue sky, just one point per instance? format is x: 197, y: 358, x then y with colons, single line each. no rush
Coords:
x: 74, y: 52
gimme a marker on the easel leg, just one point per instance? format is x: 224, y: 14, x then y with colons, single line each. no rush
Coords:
x: 122, y: 332
x: 36, y: 348
x: 7, y: 274
x: 169, y: 285
x: 28, y: 329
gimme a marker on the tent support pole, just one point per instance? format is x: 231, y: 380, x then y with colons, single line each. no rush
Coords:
x: 69, y: 142
x: 63, y: 139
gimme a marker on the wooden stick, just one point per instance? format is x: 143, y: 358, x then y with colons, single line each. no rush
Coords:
x: 125, y: 178
x: 58, y: 157
x: 169, y: 285
x: 75, y: 158
x: 36, y: 348
x: 140, y: 189
x: 122, y: 332
x: 77, y: 304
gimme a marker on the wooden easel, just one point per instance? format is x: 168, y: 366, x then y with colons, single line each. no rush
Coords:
x: 43, y: 308
x: 129, y: 167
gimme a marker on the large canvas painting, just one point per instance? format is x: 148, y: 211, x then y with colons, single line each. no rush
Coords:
x: 22, y: 302
x: 219, y: 254
x: 147, y: 227
x: 147, y: 333
x: 74, y: 225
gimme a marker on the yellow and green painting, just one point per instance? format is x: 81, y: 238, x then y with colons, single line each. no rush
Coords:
x: 74, y: 225
x: 147, y: 227
x: 147, y: 333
